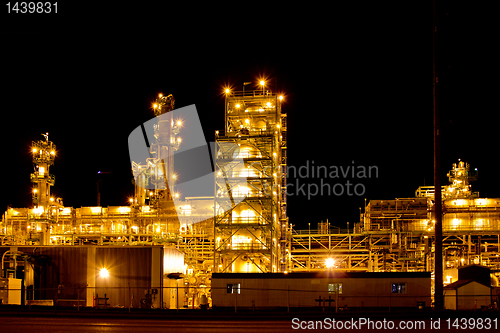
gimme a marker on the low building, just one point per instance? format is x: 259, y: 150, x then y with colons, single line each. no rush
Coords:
x: 92, y: 275
x: 472, y: 290
x: 466, y: 295
x: 323, y: 289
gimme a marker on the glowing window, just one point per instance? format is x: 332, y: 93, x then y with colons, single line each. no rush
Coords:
x: 398, y: 288
x: 233, y: 288
x: 334, y: 288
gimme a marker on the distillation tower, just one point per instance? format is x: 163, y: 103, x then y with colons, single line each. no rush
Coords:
x: 250, y: 204
x: 155, y: 180
x: 45, y: 206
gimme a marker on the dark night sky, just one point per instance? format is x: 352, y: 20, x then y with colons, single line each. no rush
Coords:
x: 357, y: 80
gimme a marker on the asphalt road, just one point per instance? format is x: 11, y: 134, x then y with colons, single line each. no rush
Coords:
x: 56, y: 325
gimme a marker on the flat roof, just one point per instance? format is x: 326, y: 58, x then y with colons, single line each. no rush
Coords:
x: 321, y: 275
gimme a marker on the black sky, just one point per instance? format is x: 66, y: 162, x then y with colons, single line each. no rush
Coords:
x: 357, y: 80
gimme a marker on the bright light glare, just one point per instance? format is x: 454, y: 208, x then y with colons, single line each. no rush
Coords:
x: 104, y: 273
x: 227, y: 91
x: 262, y: 82
x: 281, y: 97
x: 329, y: 263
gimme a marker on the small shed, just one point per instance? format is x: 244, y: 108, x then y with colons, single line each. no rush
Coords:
x: 467, y: 295
x: 472, y: 290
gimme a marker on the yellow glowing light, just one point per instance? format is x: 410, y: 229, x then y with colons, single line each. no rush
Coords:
x: 268, y: 104
x: 238, y: 106
x: 262, y: 82
x: 41, y: 171
x: 52, y: 152
x: 176, y: 195
x: 95, y: 210
x: 160, y: 95
x: 123, y: 210
x: 247, y: 121
x: 281, y: 97
x: 131, y: 200
x: 51, y: 199
x: 104, y: 273
x: 227, y: 91
x: 38, y: 210
x: 34, y: 150
x: 329, y: 262
x: 35, y: 190
x: 179, y: 122
x: 155, y: 106
x: 242, y: 190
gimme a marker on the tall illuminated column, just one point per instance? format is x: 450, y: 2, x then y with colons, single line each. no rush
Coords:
x: 249, y: 204
x: 167, y: 142
x: 43, y: 152
x: 154, y: 179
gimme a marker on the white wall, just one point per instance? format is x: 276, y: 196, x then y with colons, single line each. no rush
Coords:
x: 297, y: 292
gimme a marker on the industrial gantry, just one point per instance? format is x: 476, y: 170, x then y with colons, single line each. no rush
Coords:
x: 398, y: 234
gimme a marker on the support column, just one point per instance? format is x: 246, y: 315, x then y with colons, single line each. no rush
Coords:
x: 91, y: 275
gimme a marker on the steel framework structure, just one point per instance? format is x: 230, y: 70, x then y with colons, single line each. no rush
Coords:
x: 250, y: 207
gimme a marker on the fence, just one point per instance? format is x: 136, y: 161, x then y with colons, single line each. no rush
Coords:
x: 232, y: 297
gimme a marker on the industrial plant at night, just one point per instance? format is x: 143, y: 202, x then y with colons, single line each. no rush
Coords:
x: 170, y: 250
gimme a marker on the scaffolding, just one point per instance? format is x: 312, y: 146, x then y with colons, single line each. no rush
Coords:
x: 250, y: 166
